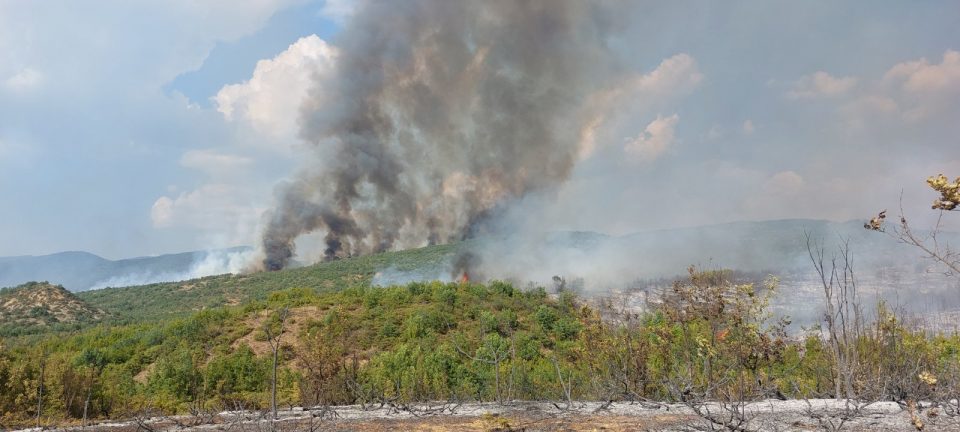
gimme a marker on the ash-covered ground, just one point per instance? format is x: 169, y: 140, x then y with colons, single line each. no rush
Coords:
x: 769, y: 415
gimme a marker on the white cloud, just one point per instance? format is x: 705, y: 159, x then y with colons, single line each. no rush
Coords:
x: 926, y: 90
x: 25, y: 79
x: 859, y: 112
x: 161, y: 214
x: 821, y: 84
x: 629, y: 98
x: 127, y: 44
x: 784, y: 183
x: 873, y: 103
x: 339, y: 10
x: 103, y: 100
x: 230, y: 204
x: 920, y: 77
x: 676, y: 74
x: 909, y: 93
x: 270, y: 100
x: 656, y: 139
x: 824, y: 192
x: 221, y: 209
x: 215, y: 163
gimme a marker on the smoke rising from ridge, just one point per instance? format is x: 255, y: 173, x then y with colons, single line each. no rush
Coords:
x: 439, y: 114
x: 205, y: 263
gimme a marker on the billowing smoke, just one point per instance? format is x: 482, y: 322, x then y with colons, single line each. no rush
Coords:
x: 439, y: 114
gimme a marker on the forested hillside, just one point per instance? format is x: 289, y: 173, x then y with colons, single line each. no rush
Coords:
x: 178, y: 299
x: 703, y: 338
x: 748, y: 246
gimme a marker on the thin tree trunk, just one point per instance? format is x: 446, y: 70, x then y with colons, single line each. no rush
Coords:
x: 274, y: 340
x: 513, y: 363
x: 496, y: 367
x: 86, y: 404
x: 273, y: 390
x: 43, y: 367
x: 563, y: 385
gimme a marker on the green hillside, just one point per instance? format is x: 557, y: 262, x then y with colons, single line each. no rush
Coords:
x: 174, y: 299
x: 447, y: 342
x: 748, y: 246
x: 423, y: 341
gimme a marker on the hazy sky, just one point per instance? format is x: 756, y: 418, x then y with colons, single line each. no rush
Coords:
x: 137, y: 128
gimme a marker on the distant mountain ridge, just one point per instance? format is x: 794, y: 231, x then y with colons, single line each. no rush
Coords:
x: 749, y: 245
x: 81, y: 271
x: 777, y: 246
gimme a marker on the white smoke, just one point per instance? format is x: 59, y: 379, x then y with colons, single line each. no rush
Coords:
x: 210, y: 263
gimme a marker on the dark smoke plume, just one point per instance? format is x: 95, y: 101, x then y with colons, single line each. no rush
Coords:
x: 440, y: 112
x: 465, y: 267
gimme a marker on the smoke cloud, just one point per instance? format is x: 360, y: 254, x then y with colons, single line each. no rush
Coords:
x: 438, y: 115
x: 207, y: 263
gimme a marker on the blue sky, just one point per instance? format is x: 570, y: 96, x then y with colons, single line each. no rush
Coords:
x: 138, y: 128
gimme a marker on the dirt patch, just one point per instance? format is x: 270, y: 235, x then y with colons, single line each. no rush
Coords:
x: 42, y: 304
x: 299, y: 317
x: 143, y: 376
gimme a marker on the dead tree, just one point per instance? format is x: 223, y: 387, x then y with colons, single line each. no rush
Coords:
x: 843, y: 314
x: 274, y: 331
x: 564, y: 385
